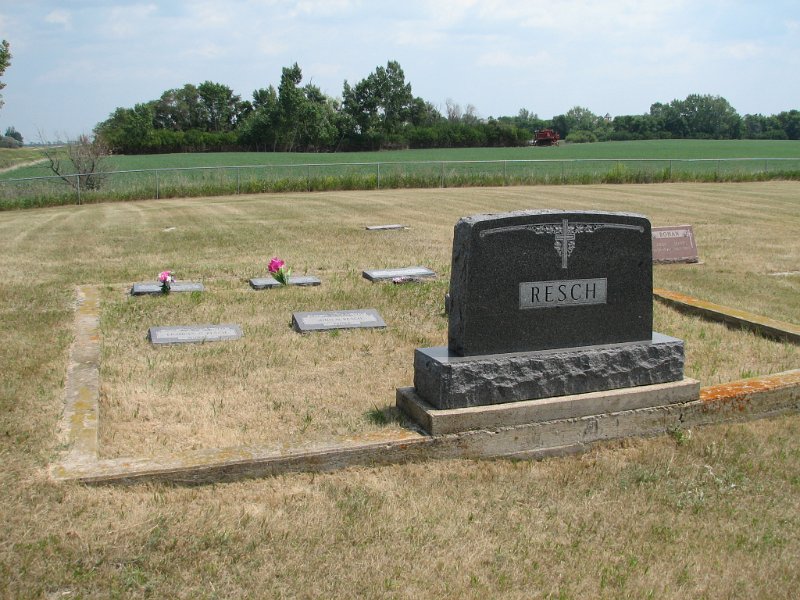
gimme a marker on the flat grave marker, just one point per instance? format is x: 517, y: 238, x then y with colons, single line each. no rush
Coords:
x: 148, y: 288
x: 674, y: 244
x: 265, y: 283
x: 194, y: 334
x: 391, y: 227
x: 388, y: 274
x: 365, y: 318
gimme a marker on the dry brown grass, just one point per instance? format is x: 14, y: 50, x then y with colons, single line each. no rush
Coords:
x: 710, y: 514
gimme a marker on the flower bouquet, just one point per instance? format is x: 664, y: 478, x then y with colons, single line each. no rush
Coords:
x: 166, y: 279
x: 279, y: 271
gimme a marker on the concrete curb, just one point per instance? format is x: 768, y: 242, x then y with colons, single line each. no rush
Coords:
x: 764, y: 325
x: 736, y: 401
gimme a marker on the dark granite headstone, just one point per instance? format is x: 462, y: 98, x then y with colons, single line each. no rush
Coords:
x: 337, y: 319
x: 386, y: 274
x: 194, y: 334
x: 265, y: 283
x: 145, y: 288
x: 386, y: 227
x: 543, y: 279
x: 547, y: 304
x: 674, y: 244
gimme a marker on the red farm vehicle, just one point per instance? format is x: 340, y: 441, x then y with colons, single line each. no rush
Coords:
x: 545, y: 137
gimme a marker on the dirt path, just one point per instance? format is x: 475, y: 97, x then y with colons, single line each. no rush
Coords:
x: 30, y: 163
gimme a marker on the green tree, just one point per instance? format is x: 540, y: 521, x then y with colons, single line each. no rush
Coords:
x: 178, y: 109
x: 259, y: 128
x: 381, y: 104
x: 790, y: 123
x: 221, y: 109
x: 5, y: 62
x: 13, y: 133
x: 698, y: 116
x: 290, y: 105
x: 760, y: 127
x: 127, y: 130
x: 710, y: 117
x: 424, y: 114
x: 576, y: 118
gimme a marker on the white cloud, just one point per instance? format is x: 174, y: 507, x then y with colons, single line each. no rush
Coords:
x: 503, y: 59
x: 207, y: 50
x: 742, y: 50
x: 59, y: 17
x: 269, y: 46
x: 415, y: 36
x: 130, y: 21
x: 209, y: 15
x: 321, y: 8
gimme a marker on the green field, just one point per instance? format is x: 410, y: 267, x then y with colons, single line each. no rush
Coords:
x: 214, y: 174
x: 10, y: 159
x: 652, y: 149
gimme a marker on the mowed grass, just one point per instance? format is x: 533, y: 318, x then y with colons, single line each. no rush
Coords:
x: 707, y: 513
x: 277, y: 388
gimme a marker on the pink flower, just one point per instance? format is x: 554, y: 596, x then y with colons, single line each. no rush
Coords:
x: 275, y: 264
x: 166, y: 277
x: 278, y: 270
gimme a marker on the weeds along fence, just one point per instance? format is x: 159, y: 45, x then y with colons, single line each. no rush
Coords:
x: 140, y: 184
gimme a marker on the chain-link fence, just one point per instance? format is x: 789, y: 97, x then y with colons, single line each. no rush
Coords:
x: 224, y: 180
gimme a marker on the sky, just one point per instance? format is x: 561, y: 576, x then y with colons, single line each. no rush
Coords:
x: 75, y: 61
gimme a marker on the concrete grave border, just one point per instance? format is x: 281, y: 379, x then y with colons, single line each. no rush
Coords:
x: 743, y: 400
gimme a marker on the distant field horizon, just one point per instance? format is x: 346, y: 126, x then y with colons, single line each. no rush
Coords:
x: 644, y: 149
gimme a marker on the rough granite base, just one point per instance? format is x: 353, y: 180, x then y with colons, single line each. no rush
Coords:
x: 446, y: 380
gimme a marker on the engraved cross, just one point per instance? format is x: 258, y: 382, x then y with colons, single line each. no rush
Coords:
x: 564, y: 240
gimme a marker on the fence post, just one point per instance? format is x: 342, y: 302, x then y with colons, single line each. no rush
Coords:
x: 78, y: 187
x: 670, y: 170
x: 377, y: 176
x: 505, y: 172
x: 238, y: 180
x: 308, y: 178
x: 157, y: 190
x: 442, y: 181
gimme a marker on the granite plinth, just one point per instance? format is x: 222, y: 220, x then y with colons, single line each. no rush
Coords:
x: 146, y: 288
x: 446, y: 380
x: 266, y: 283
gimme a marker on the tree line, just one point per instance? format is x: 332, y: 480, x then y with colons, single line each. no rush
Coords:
x: 381, y: 112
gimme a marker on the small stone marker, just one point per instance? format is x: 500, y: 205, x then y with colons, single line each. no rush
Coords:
x: 337, y: 319
x: 194, y: 334
x: 144, y: 288
x: 674, y: 244
x: 265, y: 283
x: 411, y: 272
x: 386, y: 227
